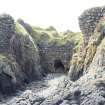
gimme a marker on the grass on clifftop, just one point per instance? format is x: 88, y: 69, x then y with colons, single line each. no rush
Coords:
x: 25, y: 38
x: 51, y: 35
x: 20, y: 29
x: 76, y: 38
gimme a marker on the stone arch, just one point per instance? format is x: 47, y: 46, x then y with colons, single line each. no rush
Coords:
x: 58, y: 65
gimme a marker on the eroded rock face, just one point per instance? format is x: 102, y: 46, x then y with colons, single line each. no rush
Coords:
x: 27, y: 56
x: 26, y: 53
x: 82, y: 60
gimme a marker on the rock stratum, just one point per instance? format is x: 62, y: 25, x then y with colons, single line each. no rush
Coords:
x: 44, y: 67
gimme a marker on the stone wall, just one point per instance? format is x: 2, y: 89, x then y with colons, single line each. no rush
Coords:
x: 7, y: 30
x: 88, y: 21
x: 49, y: 55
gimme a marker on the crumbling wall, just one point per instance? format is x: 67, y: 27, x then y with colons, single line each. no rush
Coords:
x: 7, y: 30
x: 92, y: 26
x: 88, y: 21
x: 49, y: 54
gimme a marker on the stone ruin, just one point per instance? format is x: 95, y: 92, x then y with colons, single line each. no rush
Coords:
x: 7, y: 30
x: 56, y: 58
x: 89, y: 20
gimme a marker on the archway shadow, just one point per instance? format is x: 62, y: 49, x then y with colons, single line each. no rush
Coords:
x: 58, y: 65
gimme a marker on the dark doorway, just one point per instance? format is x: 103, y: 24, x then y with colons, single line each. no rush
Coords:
x: 58, y: 65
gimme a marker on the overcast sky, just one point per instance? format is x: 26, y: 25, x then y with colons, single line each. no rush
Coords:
x: 62, y: 14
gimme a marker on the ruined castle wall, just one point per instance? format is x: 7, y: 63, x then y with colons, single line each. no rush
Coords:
x: 49, y: 54
x: 89, y: 20
x: 7, y: 30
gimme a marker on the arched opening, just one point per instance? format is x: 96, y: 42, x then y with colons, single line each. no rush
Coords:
x: 58, y: 65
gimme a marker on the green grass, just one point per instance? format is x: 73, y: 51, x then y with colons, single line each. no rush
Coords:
x: 20, y: 29
x: 52, y: 36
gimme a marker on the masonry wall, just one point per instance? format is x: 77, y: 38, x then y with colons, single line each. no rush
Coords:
x: 51, y: 53
x: 88, y: 21
x: 7, y: 30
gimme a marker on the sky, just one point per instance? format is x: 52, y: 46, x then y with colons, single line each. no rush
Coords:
x: 62, y: 14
